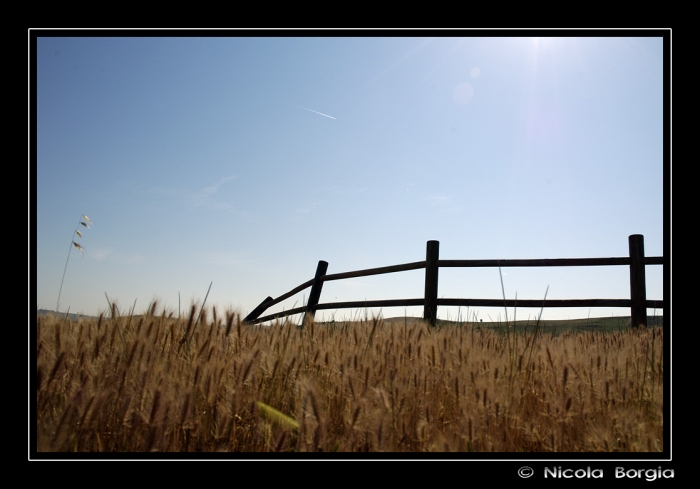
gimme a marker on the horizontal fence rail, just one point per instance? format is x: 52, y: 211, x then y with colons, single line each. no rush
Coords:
x: 637, y: 303
x: 548, y: 262
x: 376, y: 271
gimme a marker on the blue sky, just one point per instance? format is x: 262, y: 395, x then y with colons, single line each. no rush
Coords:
x: 242, y: 161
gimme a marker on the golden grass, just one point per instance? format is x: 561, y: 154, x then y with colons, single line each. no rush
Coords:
x: 200, y: 384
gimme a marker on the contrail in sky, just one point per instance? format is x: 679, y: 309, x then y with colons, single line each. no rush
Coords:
x: 320, y: 113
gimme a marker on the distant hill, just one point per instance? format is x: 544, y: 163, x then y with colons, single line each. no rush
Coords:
x: 549, y: 325
x: 71, y: 316
x: 605, y: 324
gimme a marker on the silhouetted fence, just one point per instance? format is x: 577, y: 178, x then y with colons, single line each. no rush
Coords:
x: 637, y: 302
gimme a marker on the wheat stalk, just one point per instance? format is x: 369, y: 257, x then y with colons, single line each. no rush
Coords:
x: 85, y: 222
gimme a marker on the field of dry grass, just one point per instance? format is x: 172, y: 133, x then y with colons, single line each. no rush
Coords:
x: 207, y: 383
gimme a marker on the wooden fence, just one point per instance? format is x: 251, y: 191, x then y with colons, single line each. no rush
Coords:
x: 637, y: 302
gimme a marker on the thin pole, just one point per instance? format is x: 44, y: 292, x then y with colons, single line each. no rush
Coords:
x: 432, y: 254
x: 638, y: 291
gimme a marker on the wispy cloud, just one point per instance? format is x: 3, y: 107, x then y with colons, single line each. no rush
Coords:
x: 100, y: 254
x: 206, y: 197
x: 196, y: 198
x: 338, y: 190
x: 438, y: 199
x: 442, y: 201
x: 109, y: 255
x: 211, y: 190
x: 301, y: 212
x: 201, y: 197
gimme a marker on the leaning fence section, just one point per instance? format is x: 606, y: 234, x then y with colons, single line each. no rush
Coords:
x: 638, y: 303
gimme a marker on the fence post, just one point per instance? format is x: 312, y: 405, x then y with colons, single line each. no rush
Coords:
x: 255, y: 313
x: 432, y: 253
x: 638, y: 291
x: 315, y: 293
